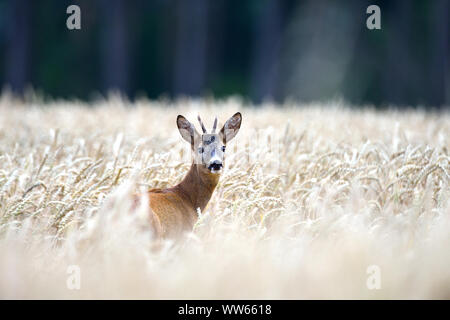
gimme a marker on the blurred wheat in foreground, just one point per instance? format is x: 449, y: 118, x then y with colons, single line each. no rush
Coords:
x: 341, y: 190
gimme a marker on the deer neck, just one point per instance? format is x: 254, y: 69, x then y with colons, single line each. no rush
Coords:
x: 198, y: 185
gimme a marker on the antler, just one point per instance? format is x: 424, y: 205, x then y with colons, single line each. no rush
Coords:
x: 201, y: 124
x: 214, y: 126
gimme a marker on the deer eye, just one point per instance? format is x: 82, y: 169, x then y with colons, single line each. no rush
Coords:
x: 223, y: 149
x: 201, y: 150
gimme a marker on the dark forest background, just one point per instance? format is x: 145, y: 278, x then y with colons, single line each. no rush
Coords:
x: 309, y: 50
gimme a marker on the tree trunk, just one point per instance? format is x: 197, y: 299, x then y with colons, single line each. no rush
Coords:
x: 114, y: 51
x: 190, y: 47
x: 265, y: 67
x: 18, y: 45
x: 400, y: 70
x: 439, y: 66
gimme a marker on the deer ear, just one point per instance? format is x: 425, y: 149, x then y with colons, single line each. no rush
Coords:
x: 187, y: 130
x: 231, y: 127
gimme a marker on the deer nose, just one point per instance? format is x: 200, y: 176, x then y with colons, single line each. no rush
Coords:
x: 215, y: 165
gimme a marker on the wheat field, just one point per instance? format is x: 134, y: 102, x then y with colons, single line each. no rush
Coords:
x: 312, y: 198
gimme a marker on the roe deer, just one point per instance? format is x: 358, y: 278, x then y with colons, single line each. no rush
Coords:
x: 174, y: 210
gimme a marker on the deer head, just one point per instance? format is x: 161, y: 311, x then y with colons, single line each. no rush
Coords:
x: 208, y: 149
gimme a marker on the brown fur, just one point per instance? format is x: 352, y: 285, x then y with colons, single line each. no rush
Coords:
x: 174, y: 210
